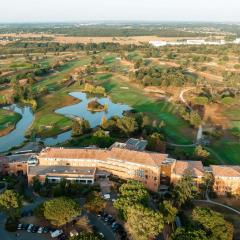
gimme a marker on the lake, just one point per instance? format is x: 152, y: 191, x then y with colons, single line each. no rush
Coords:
x: 16, y: 137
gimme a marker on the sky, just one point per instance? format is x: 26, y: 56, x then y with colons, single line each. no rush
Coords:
x: 126, y: 10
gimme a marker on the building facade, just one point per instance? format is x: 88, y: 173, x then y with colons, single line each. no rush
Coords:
x: 123, y: 163
x: 155, y: 170
x: 226, y: 179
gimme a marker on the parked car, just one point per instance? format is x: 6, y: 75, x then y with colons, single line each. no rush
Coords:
x: 73, y: 233
x: 25, y: 226
x: 34, y: 229
x: 111, y: 221
x: 104, y: 216
x: 40, y: 230
x: 109, y: 217
x: 56, y: 233
x: 100, y: 214
x: 46, y: 230
x: 101, y: 234
x: 30, y: 227
x: 19, y: 227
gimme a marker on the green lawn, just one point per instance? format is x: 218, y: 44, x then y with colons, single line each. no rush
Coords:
x: 229, y: 152
x: 47, y: 123
x: 8, y: 120
x: 54, y: 81
x: 177, y: 130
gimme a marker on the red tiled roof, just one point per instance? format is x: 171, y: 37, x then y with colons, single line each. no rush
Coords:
x: 225, y: 171
x: 148, y: 158
x: 195, y: 168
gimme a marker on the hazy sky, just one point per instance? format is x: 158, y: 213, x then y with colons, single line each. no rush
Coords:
x: 157, y: 10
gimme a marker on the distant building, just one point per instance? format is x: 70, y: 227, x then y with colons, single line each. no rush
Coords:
x: 237, y: 41
x: 196, y: 42
x: 226, y: 179
x: 158, y: 43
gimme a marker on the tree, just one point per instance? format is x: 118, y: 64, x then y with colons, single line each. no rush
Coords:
x: 213, y: 224
x: 60, y: 210
x: 87, y: 236
x: 127, y: 125
x: 103, y: 121
x: 80, y: 126
x: 193, y: 234
x: 156, y: 142
x: 95, y: 202
x: 102, y: 139
x: 169, y: 211
x: 195, y: 118
x: 144, y: 223
x: 36, y: 184
x: 130, y: 193
x: 184, y: 190
x: 83, y: 224
x: 200, y: 152
x: 11, y: 203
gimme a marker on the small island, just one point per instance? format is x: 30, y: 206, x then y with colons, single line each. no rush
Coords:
x: 95, y: 106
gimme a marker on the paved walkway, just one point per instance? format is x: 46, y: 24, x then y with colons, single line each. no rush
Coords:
x: 200, y: 128
x: 219, y: 204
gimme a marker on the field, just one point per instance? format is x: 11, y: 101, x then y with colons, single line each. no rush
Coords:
x: 8, y: 120
x: 114, y: 69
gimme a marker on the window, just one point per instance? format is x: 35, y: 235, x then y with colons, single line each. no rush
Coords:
x: 140, y: 173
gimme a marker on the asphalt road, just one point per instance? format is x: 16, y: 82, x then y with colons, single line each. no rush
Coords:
x: 101, y: 226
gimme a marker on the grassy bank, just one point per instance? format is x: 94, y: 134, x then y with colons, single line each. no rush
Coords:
x: 8, y: 121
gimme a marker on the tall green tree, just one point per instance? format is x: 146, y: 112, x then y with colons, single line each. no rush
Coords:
x: 184, y: 190
x: 169, y: 211
x: 95, y: 202
x: 193, y: 234
x: 213, y: 224
x: 60, y: 210
x: 11, y: 203
x: 144, y: 223
x: 130, y: 194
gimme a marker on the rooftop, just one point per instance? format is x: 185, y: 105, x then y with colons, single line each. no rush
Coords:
x: 145, y: 158
x: 225, y: 170
x: 62, y: 170
x: 132, y: 144
x: 195, y: 168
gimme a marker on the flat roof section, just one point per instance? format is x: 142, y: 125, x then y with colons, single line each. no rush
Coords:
x: 62, y: 170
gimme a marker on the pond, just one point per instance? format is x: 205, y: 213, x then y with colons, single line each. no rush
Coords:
x: 94, y: 118
x: 16, y: 137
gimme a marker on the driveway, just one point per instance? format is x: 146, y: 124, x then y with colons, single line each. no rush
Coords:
x: 101, y: 226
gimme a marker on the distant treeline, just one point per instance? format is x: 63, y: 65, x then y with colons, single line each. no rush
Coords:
x: 161, y: 30
x: 42, y: 47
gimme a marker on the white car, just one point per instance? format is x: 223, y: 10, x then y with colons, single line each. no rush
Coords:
x: 29, y: 227
x: 19, y: 226
x: 40, y: 230
x: 56, y: 233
